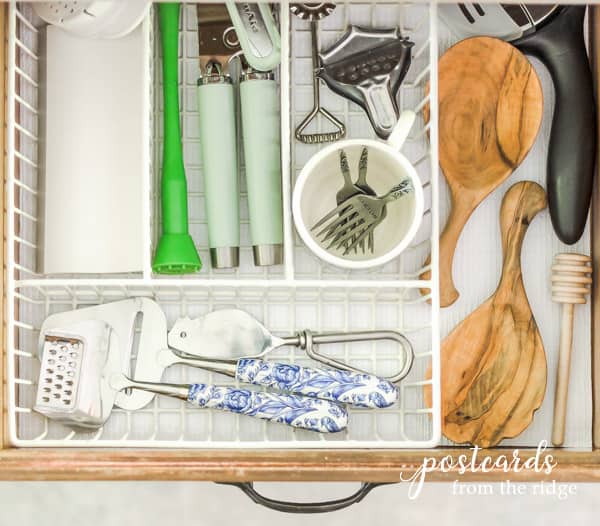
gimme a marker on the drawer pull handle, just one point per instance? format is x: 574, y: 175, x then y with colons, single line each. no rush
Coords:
x: 305, y: 507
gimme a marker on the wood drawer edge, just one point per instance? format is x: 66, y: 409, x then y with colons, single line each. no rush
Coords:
x: 272, y: 465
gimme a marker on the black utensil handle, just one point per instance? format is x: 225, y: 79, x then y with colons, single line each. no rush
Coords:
x: 572, y: 151
x: 304, y: 507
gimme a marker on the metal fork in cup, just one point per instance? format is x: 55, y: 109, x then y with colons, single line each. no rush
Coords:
x: 361, y: 183
x: 358, y: 217
x: 349, y: 189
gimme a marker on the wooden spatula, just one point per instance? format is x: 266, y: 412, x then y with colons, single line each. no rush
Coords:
x: 493, y: 364
x: 490, y: 110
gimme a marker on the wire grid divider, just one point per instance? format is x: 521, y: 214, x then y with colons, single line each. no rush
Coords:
x: 172, y: 423
x: 414, y: 22
x: 285, y: 301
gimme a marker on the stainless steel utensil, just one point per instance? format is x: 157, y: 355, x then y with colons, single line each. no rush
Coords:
x: 81, y: 375
x: 228, y: 333
x: 367, y: 190
x: 349, y: 189
x: 367, y: 67
x: 141, y: 329
x: 313, y: 13
x: 358, y: 217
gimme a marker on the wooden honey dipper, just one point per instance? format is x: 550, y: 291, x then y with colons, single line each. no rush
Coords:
x: 571, y: 283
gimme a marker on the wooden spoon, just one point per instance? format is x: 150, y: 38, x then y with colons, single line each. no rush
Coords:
x: 490, y: 111
x: 493, y: 364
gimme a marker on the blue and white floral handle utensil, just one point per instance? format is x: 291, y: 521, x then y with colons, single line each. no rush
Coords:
x: 228, y: 333
x: 295, y: 411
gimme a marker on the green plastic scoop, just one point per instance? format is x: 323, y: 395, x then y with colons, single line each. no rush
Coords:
x: 175, y: 253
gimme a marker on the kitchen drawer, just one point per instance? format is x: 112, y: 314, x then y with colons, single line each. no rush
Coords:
x: 372, y: 462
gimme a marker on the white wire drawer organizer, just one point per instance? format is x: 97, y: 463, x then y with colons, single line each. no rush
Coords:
x: 304, y: 293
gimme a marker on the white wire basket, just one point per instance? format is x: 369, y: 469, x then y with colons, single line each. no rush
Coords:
x: 304, y: 293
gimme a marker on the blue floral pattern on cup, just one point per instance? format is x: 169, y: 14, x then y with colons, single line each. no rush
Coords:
x: 295, y: 411
x: 356, y: 389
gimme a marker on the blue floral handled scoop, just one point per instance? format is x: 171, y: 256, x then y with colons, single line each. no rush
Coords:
x: 230, y: 332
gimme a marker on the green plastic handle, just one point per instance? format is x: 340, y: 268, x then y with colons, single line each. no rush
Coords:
x: 262, y: 139
x: 176, y: 253
x: 218, y: 144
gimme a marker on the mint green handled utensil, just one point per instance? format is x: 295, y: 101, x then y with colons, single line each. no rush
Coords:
x: 218, y: 147
x: 175, y: 253
x: 261, y: 134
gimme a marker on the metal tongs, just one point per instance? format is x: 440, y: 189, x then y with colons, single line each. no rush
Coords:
x: 234, y: 333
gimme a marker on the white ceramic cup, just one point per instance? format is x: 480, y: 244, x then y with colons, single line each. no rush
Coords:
x: 320, y: 180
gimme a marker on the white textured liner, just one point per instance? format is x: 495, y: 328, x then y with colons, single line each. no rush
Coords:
x: 72, y: 292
